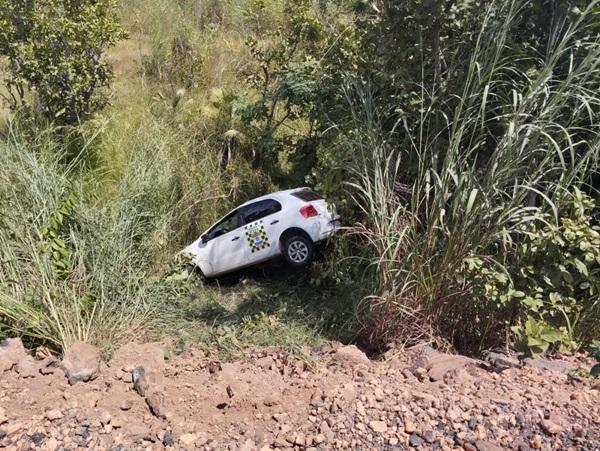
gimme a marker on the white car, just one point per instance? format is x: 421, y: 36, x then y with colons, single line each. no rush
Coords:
x: 288, y: 223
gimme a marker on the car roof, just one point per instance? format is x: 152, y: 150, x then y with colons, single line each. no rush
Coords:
x: 276, y: 195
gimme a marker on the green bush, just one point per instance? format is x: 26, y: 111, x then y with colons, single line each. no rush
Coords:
x: 556, y: 279
x: 446, y: 207
x: 55, y: 51
x: 550, y: 288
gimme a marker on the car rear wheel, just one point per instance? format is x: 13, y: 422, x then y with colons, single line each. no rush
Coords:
x: 298, y: 251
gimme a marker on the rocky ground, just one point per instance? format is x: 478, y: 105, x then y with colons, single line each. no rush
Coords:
x: 333, y: 398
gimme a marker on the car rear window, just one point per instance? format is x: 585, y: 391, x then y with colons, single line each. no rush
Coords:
x: 307, y: 195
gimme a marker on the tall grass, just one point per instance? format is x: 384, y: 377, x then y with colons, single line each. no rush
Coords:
x: 511, y: 140
x: 80, y: 269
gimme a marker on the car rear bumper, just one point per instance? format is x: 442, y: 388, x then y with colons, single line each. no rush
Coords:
x: 328, y: 228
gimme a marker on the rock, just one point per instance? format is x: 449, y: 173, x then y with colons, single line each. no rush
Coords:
x: 53, y: 414
x: 409, y: 427
x: 248, y: 445
x: 440, y: 364
x: 595, y: 370
x: 50, y: 445
x: 429, y: 436
x: 82, y: 431
x: 550, y: 427
x: 457, y: 376
x: 299, y: 439
x: 351, y: 355
x: 348, y: 392
x: 188, y: 439
x: 420, y: 373
x: 13, y: 428
x: 26, y: 367
x: 453, y: 413
x: 326, y: 431
x: 126, y: 404
x: 3, y: 416
x: 486, y: 445
x: 37, y: 438
x: 407, y: 373
x: 11, y: 352
x: 266, y: 363
x: 140, y: 382
x: 214, y: 367
x: 156, y: 402
x: 421, y: 396
x: 378, y: 426
x: 117, y: 422
x: 168, y: 439
x: 201, y: 439
x: 42, y: 352
x: 544, y: 364
x: 137, y: 431
x: 499, y: 362
x: 281, y: 442
x: 49, y: 365
x: 81, y: 363
x: 150, y: 356
x: 536, y: 442
x: 414, y: 440
x: 105, y: 418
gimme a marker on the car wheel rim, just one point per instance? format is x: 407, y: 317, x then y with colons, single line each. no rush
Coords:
x: 298, y: 251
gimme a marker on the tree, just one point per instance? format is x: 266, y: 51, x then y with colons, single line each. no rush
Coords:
x: 286, y: 85
x: 54, y: 52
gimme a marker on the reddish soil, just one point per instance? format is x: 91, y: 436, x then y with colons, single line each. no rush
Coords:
x: 333, y: 399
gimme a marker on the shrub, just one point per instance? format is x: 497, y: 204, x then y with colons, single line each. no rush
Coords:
x: 459, y: 191
x: 55, y: 51
x: 556, y: 279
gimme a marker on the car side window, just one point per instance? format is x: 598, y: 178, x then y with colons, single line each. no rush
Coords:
x: 259, y: 210
x: 227, y: 224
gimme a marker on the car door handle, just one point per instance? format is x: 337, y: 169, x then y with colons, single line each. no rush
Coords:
x: 235, y: 238
x: 275, y: 221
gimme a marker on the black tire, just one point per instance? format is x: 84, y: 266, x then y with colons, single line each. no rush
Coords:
x: 298, y: 251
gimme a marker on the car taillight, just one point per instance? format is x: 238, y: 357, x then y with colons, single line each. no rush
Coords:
x: 308, y: 211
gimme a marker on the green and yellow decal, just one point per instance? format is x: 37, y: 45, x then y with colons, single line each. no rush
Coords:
x: 256, y: 236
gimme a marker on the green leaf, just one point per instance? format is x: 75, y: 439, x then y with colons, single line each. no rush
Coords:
x: 581, y: 267
x: 551, y: 334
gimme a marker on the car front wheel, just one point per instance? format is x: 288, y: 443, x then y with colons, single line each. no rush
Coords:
x: 298, y: 251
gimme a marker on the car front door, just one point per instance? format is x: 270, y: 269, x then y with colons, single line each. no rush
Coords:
x: 262, y: 224
x: 227, y: 249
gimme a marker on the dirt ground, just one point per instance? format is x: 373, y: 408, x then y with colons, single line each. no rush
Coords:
x: 331, y: 398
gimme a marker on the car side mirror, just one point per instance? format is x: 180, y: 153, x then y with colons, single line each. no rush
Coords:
x: 204, y: 239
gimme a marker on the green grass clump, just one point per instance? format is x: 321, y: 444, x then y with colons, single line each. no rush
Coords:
x: 490, y: 168
x: 73, y: 268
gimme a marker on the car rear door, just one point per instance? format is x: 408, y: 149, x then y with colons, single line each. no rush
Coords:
x: 262, y: 227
